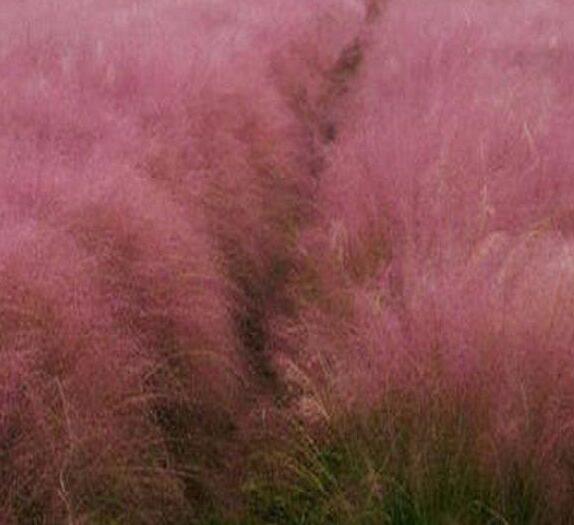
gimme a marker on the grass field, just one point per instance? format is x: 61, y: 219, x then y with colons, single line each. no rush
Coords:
x: 289, y: 262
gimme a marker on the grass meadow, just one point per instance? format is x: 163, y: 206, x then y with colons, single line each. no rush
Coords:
x: 287, y: 262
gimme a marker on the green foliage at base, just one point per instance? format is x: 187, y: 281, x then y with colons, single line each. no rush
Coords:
x: 388, y: 467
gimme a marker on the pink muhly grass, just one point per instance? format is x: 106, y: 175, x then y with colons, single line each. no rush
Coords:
x: 450, y: 189
x: 116, y: 334
x: 269, y: 156
x: 68, y: 409
x: 330, y: 209
x: 149, y: 202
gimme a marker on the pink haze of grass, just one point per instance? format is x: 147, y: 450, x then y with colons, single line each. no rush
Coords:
x: 206, y: 206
